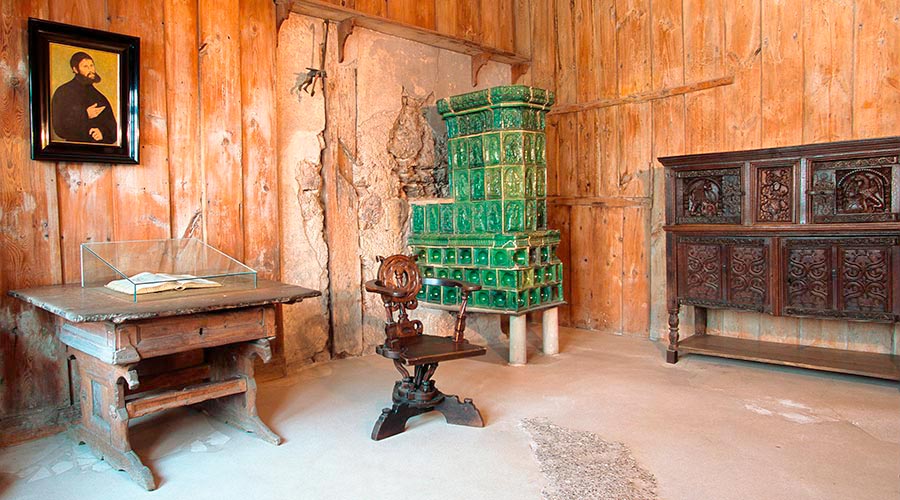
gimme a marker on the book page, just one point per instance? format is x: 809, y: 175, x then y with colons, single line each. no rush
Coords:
x: 148, y: 282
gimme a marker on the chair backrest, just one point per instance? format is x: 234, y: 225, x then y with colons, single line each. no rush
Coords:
x: 399, y: 274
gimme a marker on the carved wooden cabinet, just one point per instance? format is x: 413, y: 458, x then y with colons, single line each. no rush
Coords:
x: 808, y: 231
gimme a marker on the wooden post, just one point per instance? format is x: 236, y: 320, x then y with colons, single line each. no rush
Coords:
x: 550, y: 323
x: 518, y: 352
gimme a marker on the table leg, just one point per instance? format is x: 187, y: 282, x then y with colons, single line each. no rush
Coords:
x: 672, y: 351
x: 550, y: 324
x: 239, y: 410
x: 518, y: 352
x: 104, y: 418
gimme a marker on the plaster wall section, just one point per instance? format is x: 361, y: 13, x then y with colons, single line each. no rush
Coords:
x: 387, y: 68
x: 304, y: 255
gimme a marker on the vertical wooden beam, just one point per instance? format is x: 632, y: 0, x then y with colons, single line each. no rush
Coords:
x: 566, y: 92
x: 342, y: 205
x: 220, y: 123
x: 559, y: 218
x: 668, y: 139
x: 636, y: 271
x: 876, y: 88
x: 183, y: 106
x: 605, y: 240
x: 445, y: 13
x: 703, y: 43
x: 585, y: 259
x: 415, y: 12
x: 742, y: 49
x: 259, y: 168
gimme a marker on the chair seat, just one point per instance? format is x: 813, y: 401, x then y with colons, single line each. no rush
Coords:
x: 423, y: 349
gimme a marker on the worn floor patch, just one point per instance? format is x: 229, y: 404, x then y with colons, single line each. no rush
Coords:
x: 581, y: 465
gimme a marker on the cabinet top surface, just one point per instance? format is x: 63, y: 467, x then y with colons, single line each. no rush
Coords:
x: 867, y: 146
x: 77, y: 304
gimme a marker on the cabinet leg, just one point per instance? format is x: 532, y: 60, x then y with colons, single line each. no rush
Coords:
x: 700, y: 320
x: 239, y: 410
x: 672, y: 351
x: 104, y: 417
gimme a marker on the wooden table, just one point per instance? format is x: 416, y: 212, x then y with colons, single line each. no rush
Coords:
x: 112, y: 338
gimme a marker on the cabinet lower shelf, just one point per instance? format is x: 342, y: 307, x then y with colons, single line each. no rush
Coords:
x: 884, y: 366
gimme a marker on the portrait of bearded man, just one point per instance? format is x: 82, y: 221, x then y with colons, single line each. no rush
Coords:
x: 79, y: 112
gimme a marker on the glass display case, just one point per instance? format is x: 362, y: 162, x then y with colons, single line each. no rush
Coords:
x: 149, y: 269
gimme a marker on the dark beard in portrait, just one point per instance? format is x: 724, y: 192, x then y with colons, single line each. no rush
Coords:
x: 91, y: 78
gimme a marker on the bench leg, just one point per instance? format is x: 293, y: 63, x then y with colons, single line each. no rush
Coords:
x: 550, y: 323
x: 518, y: 352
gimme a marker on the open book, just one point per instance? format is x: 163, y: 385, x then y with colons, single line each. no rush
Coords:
x: 145, y: 282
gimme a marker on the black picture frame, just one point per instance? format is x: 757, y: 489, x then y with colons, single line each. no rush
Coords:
x: 62, y: 134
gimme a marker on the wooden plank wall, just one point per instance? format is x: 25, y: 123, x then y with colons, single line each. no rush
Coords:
x: 804, y: 72
x: 208, y: 162
x: 207, y: 169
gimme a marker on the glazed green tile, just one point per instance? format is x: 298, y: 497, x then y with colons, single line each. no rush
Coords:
x: 528, y: 277
x: 418, y: 218
x: 476, y: 151
x: 499, y: 299
x: 489, y: 277
x: 493, y: 216
x: 513, y: 216
x: 435, y: 255
x: 464, y: 256
x: 464, y: 217
x: 559, y: 293
x: 545, y: 255
x: 461, y: 160
x: 534, y: 296
x: 492, y: 149
x: 540, y: 149
x: 482, y: 298
x: 460, y: 180
x: 432, y: 218
x: 442, y: 273
x: 521, y: 299
x: 450, y: 295
x: 482, y: 257
x: 476, y: 180
x: 434, y: 294
x: 534, y: 256
x: 473, y: 276
x: 446, y: 218
x: 421, y: 255
x: 458, y: 274
x: 508, y: 279
x: 493, y: 183
x: 452, y: 126
x: 541, y: 214
x: 512, y: 147
x: 422, y: 295
x: 528, y: 148
x: 500, y: 257
x: 546, y: 293
x: 513, y: 182
x: 449, y: 257
x: 540, y: 182
x: 427, y: 271
x: 479, y: 220
x: 538, y: 275
x: 530, y: 215
x: 520, y: 257
x: 529, y: 181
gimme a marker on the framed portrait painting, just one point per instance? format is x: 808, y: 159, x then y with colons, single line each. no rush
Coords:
x: 84, y: 93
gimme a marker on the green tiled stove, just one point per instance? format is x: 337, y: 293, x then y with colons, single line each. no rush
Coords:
x: 493, y: 231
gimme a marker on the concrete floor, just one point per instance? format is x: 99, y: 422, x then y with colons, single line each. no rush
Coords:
x: 706, y: 428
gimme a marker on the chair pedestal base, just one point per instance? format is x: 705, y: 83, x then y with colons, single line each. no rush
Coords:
x: 415, y: 396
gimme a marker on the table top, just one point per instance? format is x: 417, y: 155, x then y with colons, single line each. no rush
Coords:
x: 78, y: 304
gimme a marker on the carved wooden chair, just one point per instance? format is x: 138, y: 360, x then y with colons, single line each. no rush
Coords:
x: 398, y: 284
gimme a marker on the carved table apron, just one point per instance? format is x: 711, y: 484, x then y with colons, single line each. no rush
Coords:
x: 110, y: 336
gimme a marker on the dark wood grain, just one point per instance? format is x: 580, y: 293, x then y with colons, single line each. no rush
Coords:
x: 886, y: 366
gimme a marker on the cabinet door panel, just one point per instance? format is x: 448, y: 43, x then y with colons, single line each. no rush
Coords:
x: 709, y: 196
x: 865, y: 279
x: 808, y: 273
x: 748, y: 274
x: 774, y: 186
x: 854, y: 189
x: 701, y: 278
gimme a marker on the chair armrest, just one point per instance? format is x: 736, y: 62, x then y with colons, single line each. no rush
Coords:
x: 464, y: 285
x: 375, y: 286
